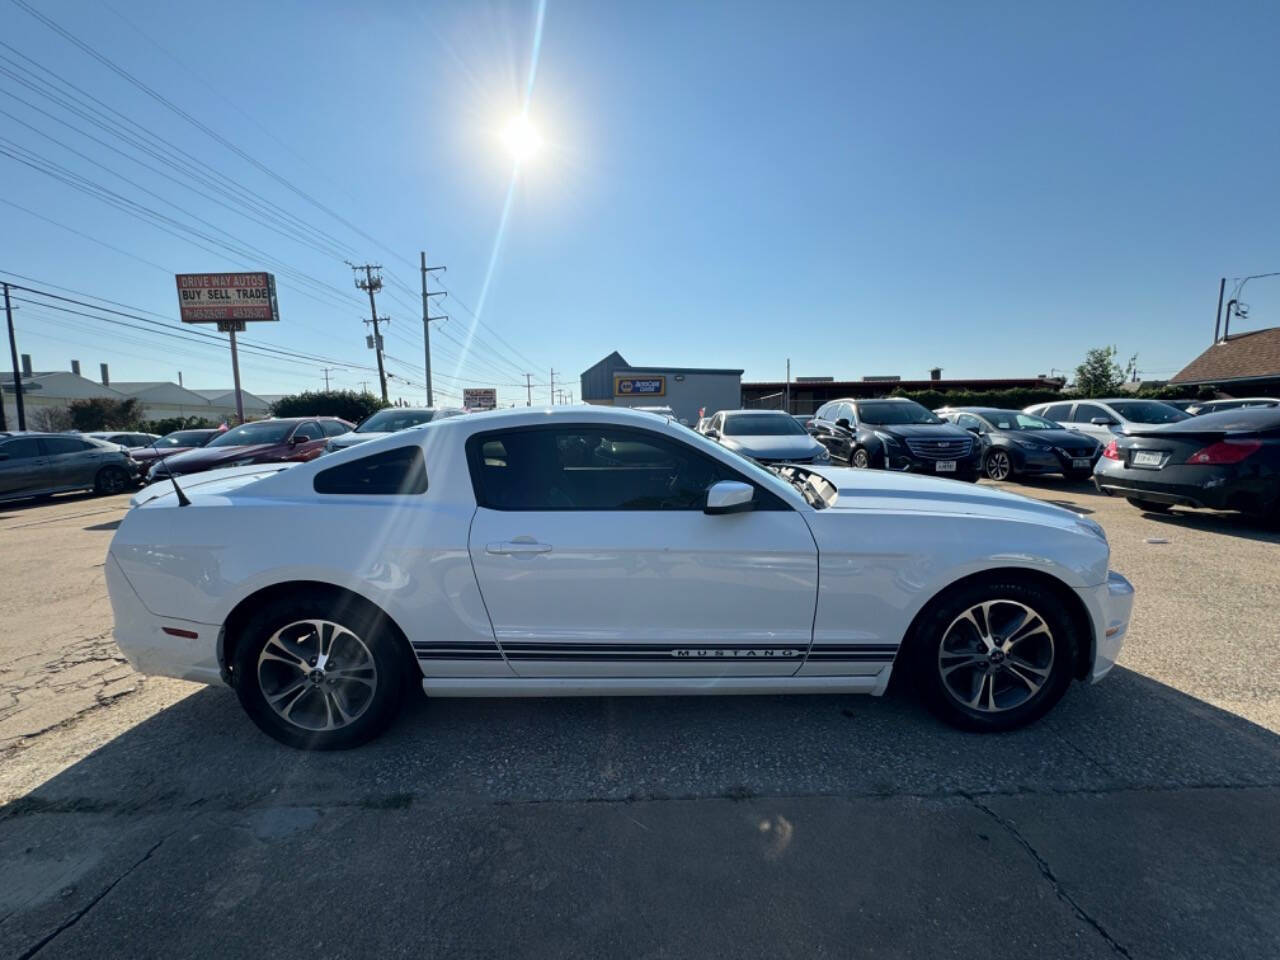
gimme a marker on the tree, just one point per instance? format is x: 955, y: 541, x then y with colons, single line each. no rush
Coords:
x: 170, y: 424
x: 346, y: 404
x: 52, y: 419
x: 1099, y: 374
x: 105, y: 413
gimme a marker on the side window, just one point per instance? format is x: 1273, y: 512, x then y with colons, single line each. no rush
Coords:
x: 23, y: 448
x: 56, y: 445
x: 969, y: 422
x: 1057, y: 411
x: 822, y: 412
x: 332, y: 428
x: 308, y: 431
x: 717, y: 422
x: 847, y: 411
x: 592, y: 468
x: 1085, y: 412
x: 398, y: 471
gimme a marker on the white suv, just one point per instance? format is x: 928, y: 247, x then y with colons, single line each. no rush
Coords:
x: 1103, y: 419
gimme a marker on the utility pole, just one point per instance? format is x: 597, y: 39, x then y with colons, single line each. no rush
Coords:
x: 1217, y: 324
x: 326, y: 378
x: 370, y: 284
x: 553, y: 388
x: 426, y: 321
x: 788, y: 396
x: 528, y: 386
x: 13, y: 354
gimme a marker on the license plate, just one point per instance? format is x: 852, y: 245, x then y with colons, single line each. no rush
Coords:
x: 1147, y: 458
x: 1080, y: 464
x: 945, y: 466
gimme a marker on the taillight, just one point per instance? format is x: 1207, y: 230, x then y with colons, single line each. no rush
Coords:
x: 1111, y: 452
x: 1225, y: 451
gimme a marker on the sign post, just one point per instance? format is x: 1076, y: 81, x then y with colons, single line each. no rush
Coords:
x: 229, y: 300
x: 480, y: 398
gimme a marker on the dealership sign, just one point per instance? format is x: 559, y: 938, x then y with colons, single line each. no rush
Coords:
x: 227, y: 298
x: 480, y: 398
x: 639, y: 386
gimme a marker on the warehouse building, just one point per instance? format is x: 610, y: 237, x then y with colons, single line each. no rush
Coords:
x: 686, y: 390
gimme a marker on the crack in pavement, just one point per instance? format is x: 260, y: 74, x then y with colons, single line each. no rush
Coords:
x: 1047, y: 872
x: 79, y: 914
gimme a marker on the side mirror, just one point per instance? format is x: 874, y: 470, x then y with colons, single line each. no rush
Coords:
x: 974, y: 430
x: 729, y: 496
x: 712, y: 433
x: 1103, y: 422
x: 843, y: 423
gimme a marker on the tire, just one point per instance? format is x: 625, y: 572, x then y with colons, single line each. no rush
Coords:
x: 301, y: 701
x: 1037, y: 641
x: 111, y: 480
x: 860, y: 459
x: 997, y: 465
x: 1150, y: 506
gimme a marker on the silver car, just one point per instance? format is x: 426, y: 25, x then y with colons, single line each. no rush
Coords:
x: 42, y: 464
x: 389, y: 421
x: 767, y: 436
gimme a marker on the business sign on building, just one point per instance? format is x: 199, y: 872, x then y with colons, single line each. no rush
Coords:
x: 225, y: 298
x: 639, y: 386
x: 480, y: 398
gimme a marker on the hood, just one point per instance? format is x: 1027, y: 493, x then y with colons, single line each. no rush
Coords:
x: 208, y: 483
x: 207, y: 458
x: 351, y: 438
x: 774, y: 448
x: 929, y: 431
x: 147, y: 454
x: 890, y: 490
x: 1053, y: 438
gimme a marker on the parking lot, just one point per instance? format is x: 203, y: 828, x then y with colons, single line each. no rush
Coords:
x: 149, y: 817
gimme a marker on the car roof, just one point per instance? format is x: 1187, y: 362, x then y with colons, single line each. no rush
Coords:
x: 780, y: 413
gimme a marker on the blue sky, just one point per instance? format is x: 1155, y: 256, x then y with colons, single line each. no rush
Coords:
x: 865, y: 189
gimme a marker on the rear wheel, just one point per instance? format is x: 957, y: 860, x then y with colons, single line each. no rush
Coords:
x: 994, y: 655
x: 1151, y: 506
x: 111, y: 480
x: 320, y: 673
x: 997, y: 465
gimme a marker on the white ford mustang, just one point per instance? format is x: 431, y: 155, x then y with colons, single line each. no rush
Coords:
x: 587, y: 550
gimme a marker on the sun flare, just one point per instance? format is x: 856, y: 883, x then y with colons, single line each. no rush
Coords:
x: 521, y: 138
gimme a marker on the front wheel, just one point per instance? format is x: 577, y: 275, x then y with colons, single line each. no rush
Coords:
x: 994, y: 655
x: 111, y: 480
x: 1150, y: 506
x: 860, y: 459
x: 997, y: 465
x: 320, y: 673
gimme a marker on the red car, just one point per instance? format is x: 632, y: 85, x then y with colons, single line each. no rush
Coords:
x: 265, y: 441
x: 180, y: 441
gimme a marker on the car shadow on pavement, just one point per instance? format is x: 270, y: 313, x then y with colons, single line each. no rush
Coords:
x: 580, y: 825
x: 1232, y: 524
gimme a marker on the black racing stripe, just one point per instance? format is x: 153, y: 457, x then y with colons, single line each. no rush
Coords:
x: 851, y: 658
x: 455, y: 645
x: 855, y: 648
x: 647, y: 656
x: 459, y: 656
x: 622, y: 645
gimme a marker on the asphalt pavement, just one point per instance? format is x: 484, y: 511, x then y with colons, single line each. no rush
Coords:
x: 1138, y: 820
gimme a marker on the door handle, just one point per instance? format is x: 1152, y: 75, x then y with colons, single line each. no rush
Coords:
x: 518, y: 547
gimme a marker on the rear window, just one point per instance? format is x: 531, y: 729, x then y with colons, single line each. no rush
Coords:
x: 391, y: 472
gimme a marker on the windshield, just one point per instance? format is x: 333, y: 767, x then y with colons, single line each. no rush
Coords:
x: 391, y: 421
x: 183, y: 438
x: 895, y: 411
x: 267, y: 431
x: 761, y: 425
x: 1148, y: 411
x: 1015, y: 420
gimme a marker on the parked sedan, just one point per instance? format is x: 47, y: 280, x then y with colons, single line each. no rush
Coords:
x: 538, y: 562
x: 42, y: 464
x: 766, y: 436
x: 895, y: 433
x: 390, y: 420
x: 1019, y: 443
x: 1198, y: 408
x: 124, y: 438
x: 1226, y: 461
x: 1104, y: 419
x: 179, y: 441
x: 264, y: 441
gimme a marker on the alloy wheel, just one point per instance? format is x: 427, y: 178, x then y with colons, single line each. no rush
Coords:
x: 998, y: 465
x: 317, y: 675
x: 860, y: 459
x: 996, y: 656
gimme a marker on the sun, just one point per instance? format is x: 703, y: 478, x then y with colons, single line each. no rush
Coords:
x: 521, y: 138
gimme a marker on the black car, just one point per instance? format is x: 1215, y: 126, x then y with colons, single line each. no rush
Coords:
x: 895, y: 433
x: 1224, y: 461
x: 1017, y: 443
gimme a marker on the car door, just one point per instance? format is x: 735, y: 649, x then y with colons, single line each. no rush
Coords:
x: 1059, y: 413
x: 1082, y: 419
x: 844, y: 429
x: 74, y: 462
x: 595, y: 558
x: 24, y: 467
x: 308, y: 441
